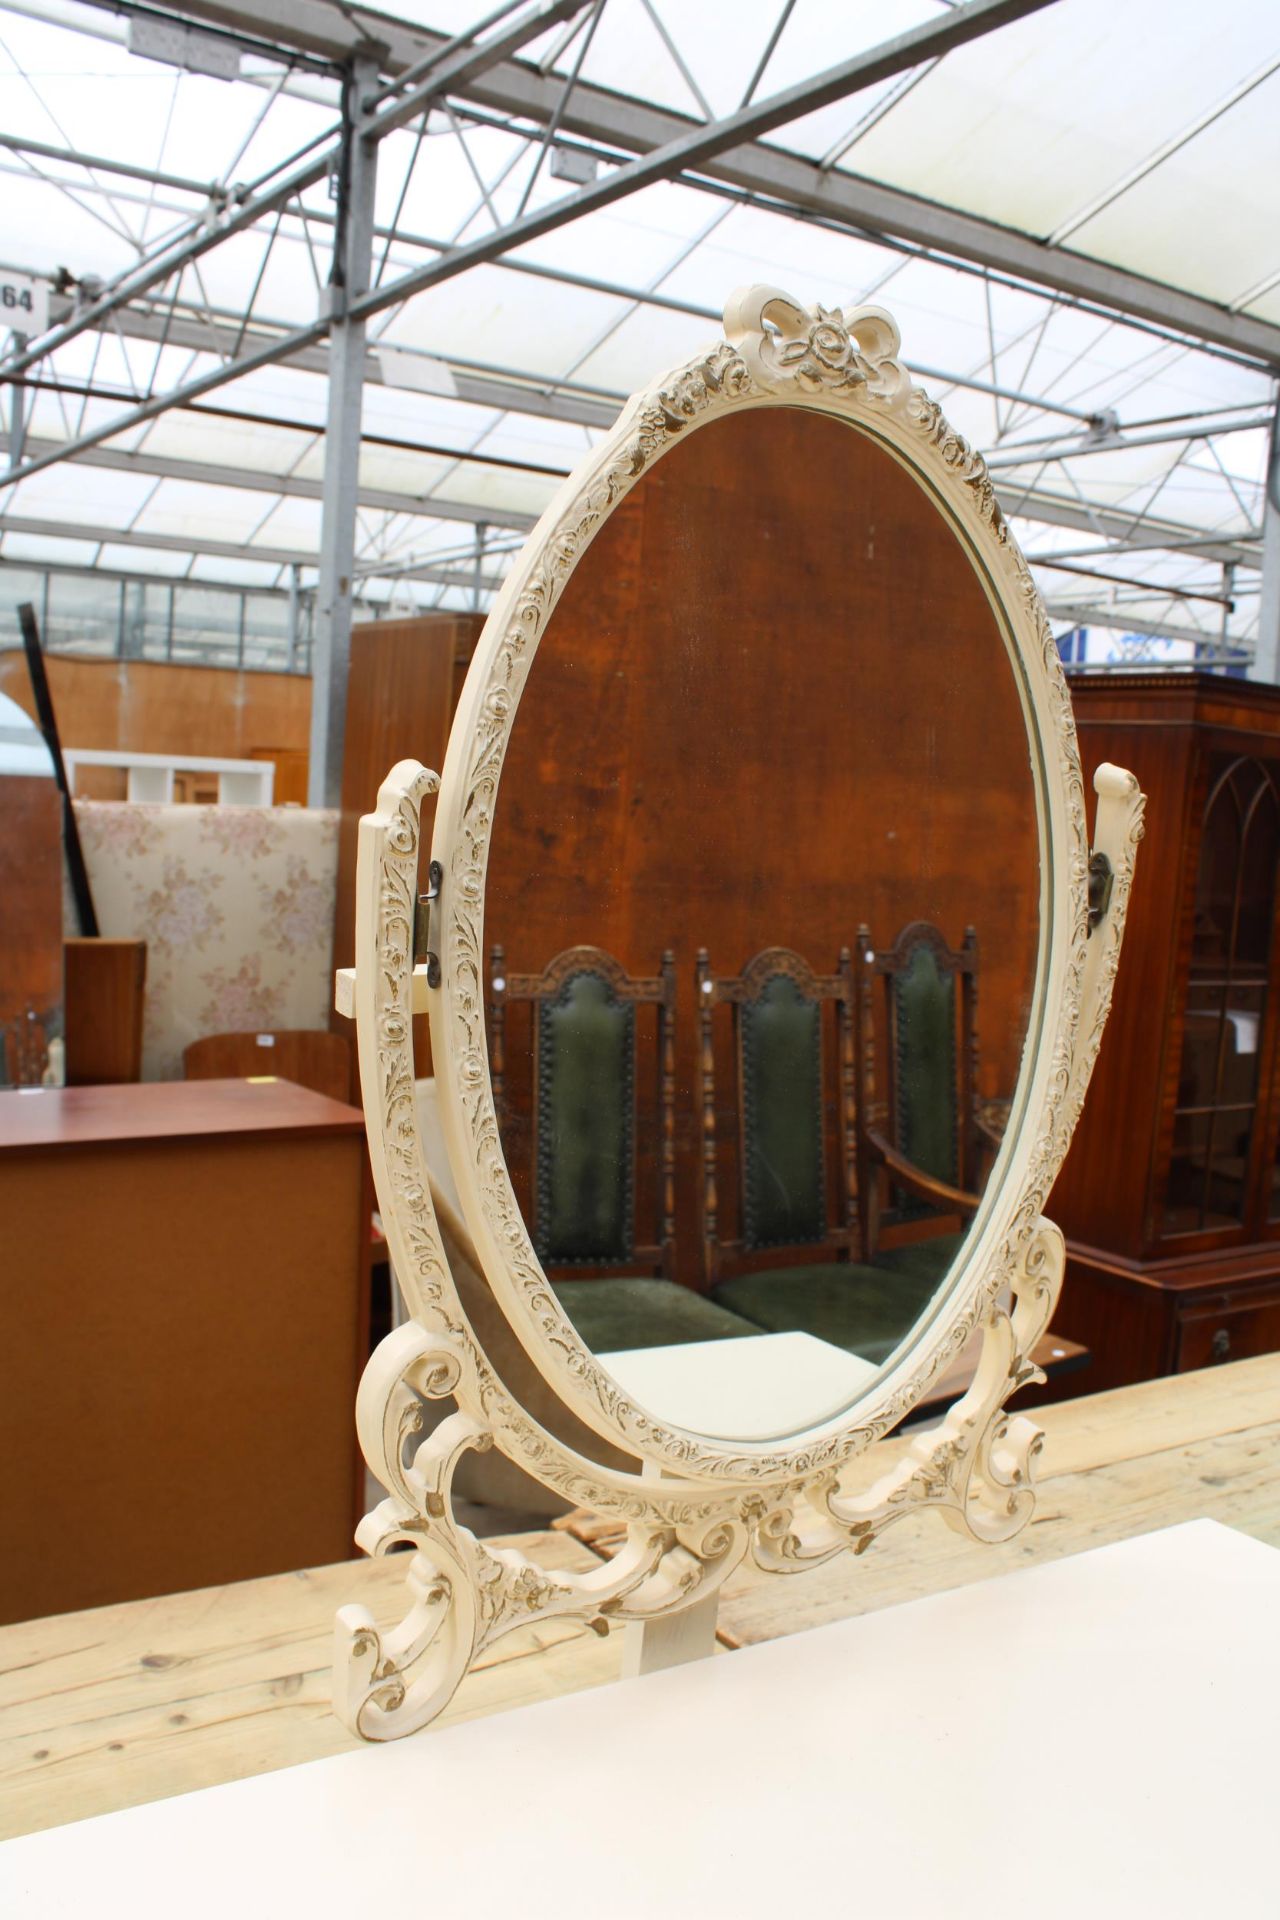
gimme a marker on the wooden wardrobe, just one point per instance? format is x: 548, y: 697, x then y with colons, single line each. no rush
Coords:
x: 403, y: 686
x: 1170, y: 1195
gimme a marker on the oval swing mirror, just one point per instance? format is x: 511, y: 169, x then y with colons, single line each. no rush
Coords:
x: 763, y: 869
x: 765, y: 977
x: 761, y: 923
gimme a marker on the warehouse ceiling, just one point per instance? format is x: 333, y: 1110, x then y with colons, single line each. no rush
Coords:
x: 1069, y: 208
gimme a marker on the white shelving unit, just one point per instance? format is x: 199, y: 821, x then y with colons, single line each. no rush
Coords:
x: 241, y: 783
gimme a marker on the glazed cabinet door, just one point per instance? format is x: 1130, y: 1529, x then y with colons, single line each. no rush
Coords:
x: 1220, y: 1185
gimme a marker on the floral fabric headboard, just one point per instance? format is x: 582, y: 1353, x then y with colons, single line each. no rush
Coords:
x: 236, y: 907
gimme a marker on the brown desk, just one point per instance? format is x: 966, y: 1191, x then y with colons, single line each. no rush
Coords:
x: 183, y: 1323
x: 107, y: 1709
x: 105, y: 985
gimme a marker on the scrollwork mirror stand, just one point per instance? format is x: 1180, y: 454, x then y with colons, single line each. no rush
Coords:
x: 699, y: 1506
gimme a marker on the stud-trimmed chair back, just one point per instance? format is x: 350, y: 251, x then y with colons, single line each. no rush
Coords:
x: 920, y: 1136
x: 781, y: 1055
x: 586, y: 1089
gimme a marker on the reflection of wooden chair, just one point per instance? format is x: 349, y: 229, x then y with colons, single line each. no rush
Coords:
x: 777, y: 1003
x: 584, y: 1148
x: 922, y: 1142
x: 787, y: 1201
x: 315, y: 1059
x: 584, y: 1105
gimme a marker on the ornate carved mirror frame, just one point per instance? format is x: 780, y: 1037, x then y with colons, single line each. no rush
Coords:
x: 698, y: 1505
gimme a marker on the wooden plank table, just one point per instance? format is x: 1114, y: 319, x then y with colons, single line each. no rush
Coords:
x: 124, y: 1704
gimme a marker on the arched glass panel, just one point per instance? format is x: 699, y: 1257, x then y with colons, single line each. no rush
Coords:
x: 1226, y: 1000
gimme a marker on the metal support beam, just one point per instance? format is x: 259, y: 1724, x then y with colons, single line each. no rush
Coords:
x: 295, y: 615
x: 1085, y: 613
x: 1099, y: 522
x: 482, y: 390
x: 291, y: 486
x: 20, y: 404
x: 1035, y: 453
x: 865, y: 206
x: 1266, y: 661
x: 869, y: 208
x: 1113, y: 523
x: 464, y: 66
x: 42, y: 529
x: 703, y: 143
x: 1194, y: 546
x: 1150, y: 589
x: 548, y: 399
x: 349, y: 278
x: 450, y: 67
x: 438, y: 574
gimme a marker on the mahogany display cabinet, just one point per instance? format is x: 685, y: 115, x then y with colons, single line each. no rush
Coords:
x: 1170, y: 1195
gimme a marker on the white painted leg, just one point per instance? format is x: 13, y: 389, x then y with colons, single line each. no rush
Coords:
x: 650, y: 1645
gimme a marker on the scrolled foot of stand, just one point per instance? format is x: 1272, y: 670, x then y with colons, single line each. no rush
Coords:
x: 976, y: 1469
x: 463, y: 1594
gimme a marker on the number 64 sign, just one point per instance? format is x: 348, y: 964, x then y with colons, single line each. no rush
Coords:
x: 24, y: 303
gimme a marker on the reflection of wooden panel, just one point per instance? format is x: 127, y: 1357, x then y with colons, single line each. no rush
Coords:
x: 105, y: 988
x: 405, y: 679
x: 319, y: 1060
x: 102, y: 783
x: 30, y: 924
x: 772, y: 703
x: 290, y: 763
x: 184, y: 1322
x: 153, y: 707
x: 193, y: 788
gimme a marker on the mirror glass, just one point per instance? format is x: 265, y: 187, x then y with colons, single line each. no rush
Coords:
x: 762, y: 923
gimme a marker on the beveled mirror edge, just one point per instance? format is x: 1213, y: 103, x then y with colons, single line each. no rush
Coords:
x: 783, y: 1504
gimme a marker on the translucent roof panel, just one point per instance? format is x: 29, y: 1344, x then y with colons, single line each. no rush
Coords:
x: 236, y: 573
x: 1115, y: 132
x: 193, y: 509
x: 1220, y: 186
x: 1033, y: 123
x: 222, y: 440
x: 143, y: 559
x: 92, y: 495
x: 488, y: 312
x: 39, y: 548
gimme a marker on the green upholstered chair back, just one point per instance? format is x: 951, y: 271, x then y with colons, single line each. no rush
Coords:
x: 785, y: 1125
x: 926, y: 1089
x: 917, y: 1076
x: 585, y: 1078
x: 584, y: 1096
x: 783, y: 1165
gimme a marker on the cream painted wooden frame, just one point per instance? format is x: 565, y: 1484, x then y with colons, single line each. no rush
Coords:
x: 699, y: 1504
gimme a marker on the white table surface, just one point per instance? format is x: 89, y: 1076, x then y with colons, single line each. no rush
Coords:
x: 1090, y: 1738
x: 759, y: 1387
